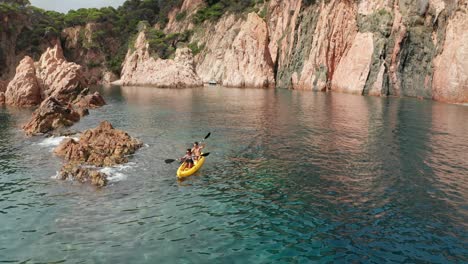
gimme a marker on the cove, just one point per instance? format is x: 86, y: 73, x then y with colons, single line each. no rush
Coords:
x: 293, y: 176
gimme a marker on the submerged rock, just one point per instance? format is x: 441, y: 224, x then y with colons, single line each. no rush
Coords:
x: 50, y: 115
x: 83, y: 175
x: 86, y: 100
x: 98, y: 147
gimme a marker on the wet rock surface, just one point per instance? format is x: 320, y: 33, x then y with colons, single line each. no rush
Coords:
x: 98, y: 147
x: 50, y: 115
x: 85, y: 100
x: 61, y: 83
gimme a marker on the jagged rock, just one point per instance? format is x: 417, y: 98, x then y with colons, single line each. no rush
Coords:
x: 59, y: 78
x: 140, y: 68
x: 2, y: 98
x: 50, y: 115
x: 101, y: 146
x: 24, y: 89
x: 82, y: 174
x: 86, y: 100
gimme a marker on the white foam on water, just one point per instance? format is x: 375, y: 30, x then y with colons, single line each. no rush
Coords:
x: 54, y: 141
x: 115, y: 174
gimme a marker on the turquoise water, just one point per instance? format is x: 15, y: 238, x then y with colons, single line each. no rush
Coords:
x: 293, y: 177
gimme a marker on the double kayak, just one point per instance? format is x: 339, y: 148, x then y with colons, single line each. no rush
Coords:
x: 183, y: 172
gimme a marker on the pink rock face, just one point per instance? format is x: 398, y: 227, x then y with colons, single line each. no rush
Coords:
x: 141, y: 69
x: 280, y: 26
x: 236, y: 53
x: 353, y: 69
x: 189, y: 8
x: 450, y: 80
x: 399, y: 31
x: 333, y: 36
x: 248, y: 63
x: 24, y: 89
x: 210, y: 62
x: 62, y: 79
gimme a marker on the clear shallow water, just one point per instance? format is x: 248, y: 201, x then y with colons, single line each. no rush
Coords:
x: 292, y: 177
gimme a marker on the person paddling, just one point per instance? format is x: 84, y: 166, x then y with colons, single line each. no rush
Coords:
x: 188, y: 159
x: 196, y: 150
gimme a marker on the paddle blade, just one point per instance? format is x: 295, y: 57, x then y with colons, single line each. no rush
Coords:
x: 205, y: 154
x: 169, y: 161
x: 207, y: 136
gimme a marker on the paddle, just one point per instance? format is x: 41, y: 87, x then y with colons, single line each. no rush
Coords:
x: 172, y: 160
x: 207, y: 136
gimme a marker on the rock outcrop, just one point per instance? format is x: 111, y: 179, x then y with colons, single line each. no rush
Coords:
x: 63, y: 85
x: 2, y: 98
x: 82, y: 175
x: 51, y: 114
x: 87, y: 101
x: 24, y: 89
x: 101, y: 146
x: 98, y: 147
x: 59, y: 78
x: 140, y: 68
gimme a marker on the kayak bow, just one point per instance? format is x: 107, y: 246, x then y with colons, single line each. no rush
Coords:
x: 182, y: 172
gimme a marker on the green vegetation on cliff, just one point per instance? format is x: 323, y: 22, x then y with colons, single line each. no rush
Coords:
x: 39, y: 27
x: 217, y: 8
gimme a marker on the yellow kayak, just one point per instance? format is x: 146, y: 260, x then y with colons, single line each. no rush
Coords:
x: 182, y: 172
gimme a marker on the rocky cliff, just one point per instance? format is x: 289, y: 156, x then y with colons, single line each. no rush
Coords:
x: 141, y: 68
x: 91, y: 46
x: 411, y: 48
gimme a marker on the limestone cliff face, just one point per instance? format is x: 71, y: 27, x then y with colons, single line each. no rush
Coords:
x: 140, y: 68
